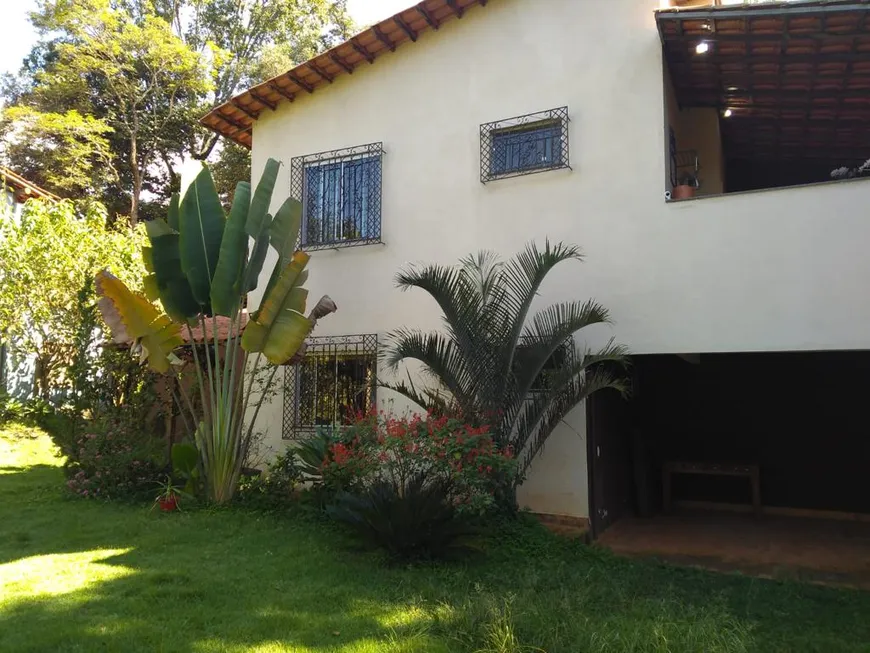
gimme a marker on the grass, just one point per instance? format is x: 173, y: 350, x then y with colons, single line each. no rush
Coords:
x: 79, y: 575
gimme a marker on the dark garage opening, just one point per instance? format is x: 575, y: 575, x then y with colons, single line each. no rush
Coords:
x: 802, y: 418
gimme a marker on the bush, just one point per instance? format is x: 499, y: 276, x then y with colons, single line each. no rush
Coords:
x: 462, y: 458
x: 411, y: 520
x: 11, y: 409
x: 114, y: 462
x: 275, y: 489
x: 412, y: 486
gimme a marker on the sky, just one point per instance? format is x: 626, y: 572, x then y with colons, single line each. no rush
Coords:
x: 17, y: 36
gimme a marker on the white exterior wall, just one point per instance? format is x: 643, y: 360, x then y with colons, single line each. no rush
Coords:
x: 777, y: 270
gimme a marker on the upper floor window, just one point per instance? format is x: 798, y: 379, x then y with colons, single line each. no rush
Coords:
x: 524, y: 145
x: 340, y: 193
x: 335, y: 381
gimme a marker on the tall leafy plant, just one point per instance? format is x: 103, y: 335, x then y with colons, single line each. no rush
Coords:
x: 496, y: 361
x: 200, y: 269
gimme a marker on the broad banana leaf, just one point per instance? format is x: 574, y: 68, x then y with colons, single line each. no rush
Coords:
x: 280, y: 328
x: 201, y: 224
x: 283, y: 236
x: 259, y: 220
x: 226, y: 285
x: 172, y: 288
x: 132, y: 319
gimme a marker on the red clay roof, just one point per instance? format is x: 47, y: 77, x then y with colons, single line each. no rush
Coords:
x: 22, y: 188
x: 223, y: 329
x: 235, y: 119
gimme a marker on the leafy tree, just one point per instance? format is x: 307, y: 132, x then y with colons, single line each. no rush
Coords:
x: 48, y: 254
x: 233, y: 163
x: 147, y: 79
x: 497, y: 363
x: 140, y: 73
x: 65, y: 153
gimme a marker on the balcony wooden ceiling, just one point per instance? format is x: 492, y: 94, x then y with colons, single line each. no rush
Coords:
x: 796, y: 76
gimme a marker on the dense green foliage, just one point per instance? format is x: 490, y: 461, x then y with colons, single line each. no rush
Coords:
x: 94, y: 576
x: 414, y: 486
x: 410, y: 518
x: 114, y: 460
x: 49, y: 255
x: 497, y: 362
x: 107, y: 103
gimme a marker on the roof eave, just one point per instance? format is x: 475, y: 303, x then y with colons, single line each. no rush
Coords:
x: 235, y: 118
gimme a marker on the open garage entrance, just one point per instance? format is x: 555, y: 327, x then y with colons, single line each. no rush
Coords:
x: 756, y: 461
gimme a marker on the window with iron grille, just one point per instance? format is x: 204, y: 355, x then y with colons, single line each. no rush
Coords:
x: 524, y: 145
x: 560, y: 360
x: 335, y: 381
x: 340, y: 193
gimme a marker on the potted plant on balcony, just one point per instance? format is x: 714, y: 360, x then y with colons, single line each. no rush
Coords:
x: 686, y: 186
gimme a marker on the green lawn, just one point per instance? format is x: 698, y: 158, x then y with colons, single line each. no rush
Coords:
x: 86, y: 576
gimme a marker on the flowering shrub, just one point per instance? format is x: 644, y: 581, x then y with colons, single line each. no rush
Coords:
x: 114, y: 462
x: 379, y: 448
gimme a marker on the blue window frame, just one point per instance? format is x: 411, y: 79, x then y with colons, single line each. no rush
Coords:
x: 341, y: 197
x: 524, y: 145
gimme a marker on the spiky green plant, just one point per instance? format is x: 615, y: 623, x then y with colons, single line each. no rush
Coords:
x: 497, y: 362
x: 200, y: 269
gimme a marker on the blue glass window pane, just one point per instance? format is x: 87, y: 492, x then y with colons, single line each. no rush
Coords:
x: 527, y: 148
x: 339, y: 200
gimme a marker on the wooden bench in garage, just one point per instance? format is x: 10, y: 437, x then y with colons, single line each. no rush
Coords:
x: 749, y: 471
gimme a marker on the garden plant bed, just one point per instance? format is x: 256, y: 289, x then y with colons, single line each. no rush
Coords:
x: 87, y: 575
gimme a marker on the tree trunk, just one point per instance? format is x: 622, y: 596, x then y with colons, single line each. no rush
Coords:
x: 137, y: 181
x: 41, y: 369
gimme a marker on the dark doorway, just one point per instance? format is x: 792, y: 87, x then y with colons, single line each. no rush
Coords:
x: 608, y: 424
x: 802, y: 418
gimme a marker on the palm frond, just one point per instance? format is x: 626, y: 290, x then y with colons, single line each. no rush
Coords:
x: 522, y: 277
x: 544, y: 412
x: 548, y: 330
x: 433, y: 400
x: 440, y: 356
x: 540, y: 412
x: 482, y: 270
x: 454, y: 293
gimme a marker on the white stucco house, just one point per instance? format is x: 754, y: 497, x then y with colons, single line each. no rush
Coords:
x: 687, y: 149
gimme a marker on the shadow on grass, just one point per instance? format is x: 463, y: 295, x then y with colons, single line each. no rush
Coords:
x: 192, y: 581
x: 230, y: 580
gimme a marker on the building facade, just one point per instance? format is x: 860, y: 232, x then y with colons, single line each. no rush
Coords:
x: 425, y: 154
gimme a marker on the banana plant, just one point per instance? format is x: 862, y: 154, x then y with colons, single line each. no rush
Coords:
x: 201, y: 264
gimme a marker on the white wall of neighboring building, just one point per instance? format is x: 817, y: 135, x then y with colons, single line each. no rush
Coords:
x: 777, y: 270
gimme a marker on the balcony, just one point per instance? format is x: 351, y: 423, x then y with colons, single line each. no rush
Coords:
x: 765, y: 95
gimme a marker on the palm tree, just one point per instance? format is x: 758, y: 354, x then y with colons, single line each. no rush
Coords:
x: 494, y: 362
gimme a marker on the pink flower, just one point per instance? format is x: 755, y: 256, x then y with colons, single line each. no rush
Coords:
x: 85, y: 493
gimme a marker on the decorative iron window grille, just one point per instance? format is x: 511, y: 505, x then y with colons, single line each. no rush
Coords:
x: 562, y: 358
x: 340, y: 193
x: 524, y: 145
x: 336, y: 380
